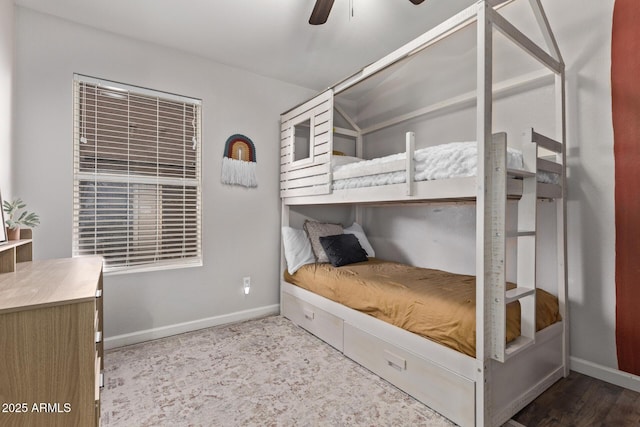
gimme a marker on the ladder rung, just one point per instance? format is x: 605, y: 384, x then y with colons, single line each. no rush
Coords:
x: 516, y: 346
x: 520, y: 173
x: 546, y: 142
x: 518, y: 293
x: 548, y: 166
x: 521, y: 233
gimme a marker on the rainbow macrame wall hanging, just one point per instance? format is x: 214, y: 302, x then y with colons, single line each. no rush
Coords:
x: 239, y: 162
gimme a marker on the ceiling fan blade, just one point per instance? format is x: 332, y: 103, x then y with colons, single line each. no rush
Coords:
x: 416, y: 1
x: 321, y: 12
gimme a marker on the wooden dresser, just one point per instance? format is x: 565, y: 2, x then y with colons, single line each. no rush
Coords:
x: 50, y: 339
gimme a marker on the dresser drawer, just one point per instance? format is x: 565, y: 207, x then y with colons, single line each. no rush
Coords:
x: 324, y: 325
x: 437, y: 387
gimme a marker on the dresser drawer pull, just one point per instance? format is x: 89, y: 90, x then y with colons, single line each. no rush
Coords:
x: 309, y: 314
x: 395, y: 361
x: 101, y: 381
x: 98, y: 336
x: 99, y: 293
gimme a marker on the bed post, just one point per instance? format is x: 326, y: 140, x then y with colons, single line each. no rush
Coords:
x: 359, y: 210
x: 284, y: 221
x: 484, y: 210
x: 561, y: 219
x: 561, y: 203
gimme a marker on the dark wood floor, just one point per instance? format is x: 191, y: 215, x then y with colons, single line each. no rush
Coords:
x: 579, y: 400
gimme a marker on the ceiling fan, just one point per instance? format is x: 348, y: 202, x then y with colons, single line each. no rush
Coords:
x: 323, y: 7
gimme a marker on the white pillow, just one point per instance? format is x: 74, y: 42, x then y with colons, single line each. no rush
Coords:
x: 297, y: 249
x: 356, y: 230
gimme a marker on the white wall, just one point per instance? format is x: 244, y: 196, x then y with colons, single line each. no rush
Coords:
x: 584, y: 35
x: 240, y: 226
x: 6, y: 95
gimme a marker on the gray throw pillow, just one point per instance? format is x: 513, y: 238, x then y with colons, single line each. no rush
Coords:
x: 315, y: 230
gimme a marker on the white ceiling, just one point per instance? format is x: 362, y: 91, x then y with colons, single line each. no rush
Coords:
x: 268, y: 37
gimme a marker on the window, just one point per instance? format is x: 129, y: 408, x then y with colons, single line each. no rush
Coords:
x: 137, y: 177
x: 302, y: 138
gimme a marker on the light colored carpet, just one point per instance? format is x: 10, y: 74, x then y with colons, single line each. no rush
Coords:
x: 265, y: 372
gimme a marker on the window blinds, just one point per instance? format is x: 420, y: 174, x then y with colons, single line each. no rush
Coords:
x: 137, y: 178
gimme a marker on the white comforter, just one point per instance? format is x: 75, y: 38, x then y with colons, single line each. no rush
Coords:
x: 452, y: 160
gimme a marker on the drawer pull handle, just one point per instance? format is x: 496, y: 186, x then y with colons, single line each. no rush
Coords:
x: 99, y: 293
x: 395, y: 361
x: 98, y: 336
x: 101, y: 381
x: 308, y: 314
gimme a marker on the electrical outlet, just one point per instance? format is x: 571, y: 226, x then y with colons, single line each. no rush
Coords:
x: 246, y: 284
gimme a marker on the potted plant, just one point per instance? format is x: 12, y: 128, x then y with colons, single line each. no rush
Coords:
x: 17, y: 217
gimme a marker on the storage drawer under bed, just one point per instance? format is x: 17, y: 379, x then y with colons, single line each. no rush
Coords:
x: 439, y: 388
x: 324, y: 325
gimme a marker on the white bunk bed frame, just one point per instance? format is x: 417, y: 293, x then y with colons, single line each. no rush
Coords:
x: 502, y: 379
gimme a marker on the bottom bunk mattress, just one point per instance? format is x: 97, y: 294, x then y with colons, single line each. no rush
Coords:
x: 432, y: 303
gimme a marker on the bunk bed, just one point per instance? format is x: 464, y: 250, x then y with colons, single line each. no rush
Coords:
x: 489, y: 383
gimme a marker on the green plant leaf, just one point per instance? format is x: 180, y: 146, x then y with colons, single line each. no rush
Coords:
x: 28, y: 219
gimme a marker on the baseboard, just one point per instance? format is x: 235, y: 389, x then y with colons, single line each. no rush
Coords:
x: 179, y: 328
x: 610, y: 375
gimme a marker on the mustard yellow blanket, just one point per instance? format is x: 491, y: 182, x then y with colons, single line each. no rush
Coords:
x: 433, y: 303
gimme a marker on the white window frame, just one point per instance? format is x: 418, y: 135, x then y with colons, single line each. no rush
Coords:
x: 163, y: 247
x: 307, y: 115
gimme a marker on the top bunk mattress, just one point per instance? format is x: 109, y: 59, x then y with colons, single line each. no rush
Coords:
x: 432, y: 303
x: 444, y: 161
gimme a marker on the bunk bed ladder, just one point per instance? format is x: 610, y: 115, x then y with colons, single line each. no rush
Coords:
x: 525, y: 235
